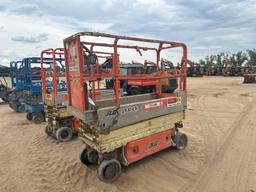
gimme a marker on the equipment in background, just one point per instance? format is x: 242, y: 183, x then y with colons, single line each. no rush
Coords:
x: 34, y: 106
x: 250, y: 74
x: 60, y: 124
x: 16, y: 98
x: 5, y: 90
x: 249, y: 78
x: 194, y: 69
x: 136, y: 87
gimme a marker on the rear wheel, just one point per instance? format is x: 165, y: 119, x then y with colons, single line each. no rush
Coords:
x: 135, y: 91
x: 6, y: 97
x: 109, y: 170
x: 38, y: 118
x: 181, y: 140
x: 88, y: 156
x: 21, y: 108
x: 92, y: 156
x: 29, y: 116
x: 46, y: 130
x: 64, y: 134
x: 84, y: 155
x: 5, y: 100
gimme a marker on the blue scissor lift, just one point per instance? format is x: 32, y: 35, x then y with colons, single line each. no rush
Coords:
x: 16, y: 97
x: 33, y: 89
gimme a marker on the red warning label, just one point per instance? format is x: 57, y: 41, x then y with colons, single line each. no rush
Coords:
x: 173, y: 101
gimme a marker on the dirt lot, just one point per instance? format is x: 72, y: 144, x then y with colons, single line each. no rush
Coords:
x: 221, y: 155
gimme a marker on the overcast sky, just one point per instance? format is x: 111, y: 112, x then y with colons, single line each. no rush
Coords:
x: 207, y: 27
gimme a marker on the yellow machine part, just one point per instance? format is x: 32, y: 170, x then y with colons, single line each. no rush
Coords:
x: 49, y: 102
x: 60, y: 112
x: 120, y: 137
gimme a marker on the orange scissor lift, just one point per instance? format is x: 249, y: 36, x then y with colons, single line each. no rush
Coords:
x: 122, y: 129
x: 60, y: 124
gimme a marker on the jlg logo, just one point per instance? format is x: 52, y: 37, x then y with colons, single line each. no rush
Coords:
x: 153, y: 144
x: 113, y: 112
x: 123, y: 111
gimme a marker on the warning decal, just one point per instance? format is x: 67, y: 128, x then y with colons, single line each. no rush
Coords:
x: 155, y: 105
x: 173, y: 101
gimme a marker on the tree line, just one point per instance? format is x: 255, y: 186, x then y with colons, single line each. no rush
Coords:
x: 222, y: 59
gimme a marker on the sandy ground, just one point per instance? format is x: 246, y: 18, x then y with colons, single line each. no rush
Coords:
x: 220, y: 157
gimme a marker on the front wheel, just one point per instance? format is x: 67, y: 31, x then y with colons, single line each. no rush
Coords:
x: 109, y: 170
x: 64, y: 134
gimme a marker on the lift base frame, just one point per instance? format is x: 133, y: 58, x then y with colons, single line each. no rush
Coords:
x: 16, y: 100
x: 56, y: 117
x: 121, y: 137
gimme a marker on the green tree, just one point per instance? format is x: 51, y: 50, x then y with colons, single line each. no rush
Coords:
x: 207, y: 61
x: 232, y: 59
x: 252, y: 55
x: 202, y: 62
x: 220, y: 59
x: 240, y: 58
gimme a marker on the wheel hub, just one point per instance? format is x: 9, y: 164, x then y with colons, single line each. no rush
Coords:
x: 64, y: 134
x: 110, y: 171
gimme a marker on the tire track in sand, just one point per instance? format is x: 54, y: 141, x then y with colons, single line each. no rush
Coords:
x: 51, y: 171
x: 226, y: 169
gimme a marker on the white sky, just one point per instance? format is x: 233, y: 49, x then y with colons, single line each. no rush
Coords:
x: 207, y: 27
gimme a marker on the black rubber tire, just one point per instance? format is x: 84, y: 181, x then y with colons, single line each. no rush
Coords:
x: 135, y: 91
x: 93, y: 156
x: 46, y: 130
x: 37, y: 118
x: 64, y: 134
x: 109, y: 170
x: 181, y: 141
x: 29, y: 116
x: 5, y: 100
x: 84, y: 155
x: 21, y: 109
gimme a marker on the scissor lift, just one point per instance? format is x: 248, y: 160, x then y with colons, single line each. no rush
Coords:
x: 16, y: 97
x: 123, y: 129
x: 60, y: 124
x: 34, y: 106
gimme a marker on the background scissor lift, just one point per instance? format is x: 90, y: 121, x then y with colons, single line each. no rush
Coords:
x: 34, y: 106
x: 60, y: 124
x: 16, y: 97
